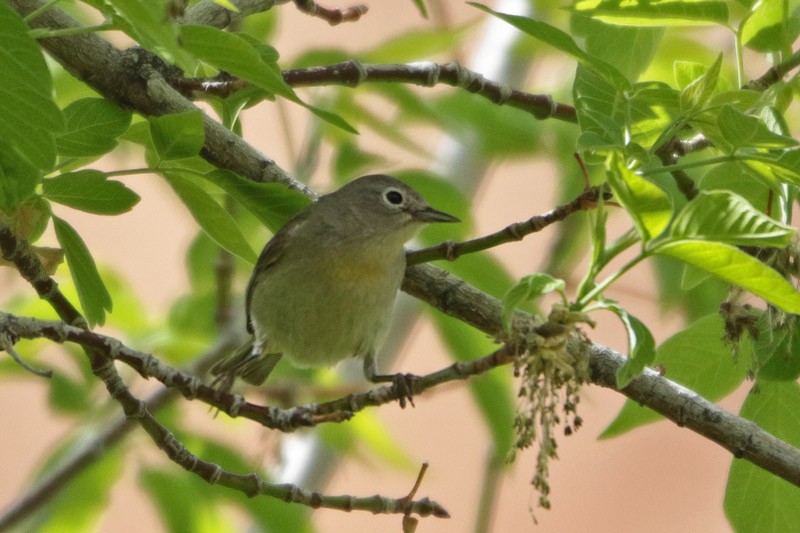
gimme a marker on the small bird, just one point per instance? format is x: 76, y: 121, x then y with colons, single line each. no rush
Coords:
x: 324, y: 286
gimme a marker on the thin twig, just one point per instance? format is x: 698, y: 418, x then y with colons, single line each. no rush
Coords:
x: 102, y: 365
x: 332, y: 16
x: 774, y: 74
x: 8, y: 346
x: 515, y: 232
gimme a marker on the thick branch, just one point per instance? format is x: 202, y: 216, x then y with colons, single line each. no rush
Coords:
x: 742, y: 437
x: 101, y: 360
x: 136, y: 79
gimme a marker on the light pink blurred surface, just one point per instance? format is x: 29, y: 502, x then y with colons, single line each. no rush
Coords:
x: 658, y: 479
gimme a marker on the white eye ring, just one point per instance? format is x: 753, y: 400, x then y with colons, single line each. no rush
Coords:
x: 393, y: 197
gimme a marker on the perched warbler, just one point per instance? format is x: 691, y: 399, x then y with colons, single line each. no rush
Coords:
x: 324, y: 286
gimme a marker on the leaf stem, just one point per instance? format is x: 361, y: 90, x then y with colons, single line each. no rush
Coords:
x: 39, y: 10
x: 69, y: 32
x: 591, y: 295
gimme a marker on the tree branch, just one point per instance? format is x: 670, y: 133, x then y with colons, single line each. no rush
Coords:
x: 426, y: 74
x: 102, y: 365
x: 136, y: 79
x: 515, y: 232
x: 332, y: 16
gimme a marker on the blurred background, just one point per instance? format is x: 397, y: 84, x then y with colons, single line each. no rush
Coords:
x: 660, y: 478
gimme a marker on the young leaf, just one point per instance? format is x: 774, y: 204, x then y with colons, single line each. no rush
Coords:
x: 29, y: 118
x: 92, y: 293
x: 91, y: 191
x: 147, y: 22
x: 215, y: 221
x: 661, y: 13
x: 738, y: 178
x: 770, y: 27
x: 726, y: 217
x: 641, y: 346
x: 735, y: 266
x: 178, y: 135
x: 745, y: 131
x: 530, y: 288
x: 238, y: 56
x: 696, y: 95
x: 93, y: 125
x: 771, y: 170
x: 649, y: 206
x: 561, y: 41
x: 697, y: 358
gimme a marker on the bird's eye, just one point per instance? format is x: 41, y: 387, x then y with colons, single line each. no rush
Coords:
x: 394, y: 197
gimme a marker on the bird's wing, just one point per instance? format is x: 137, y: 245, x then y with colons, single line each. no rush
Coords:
x: 269, y: 255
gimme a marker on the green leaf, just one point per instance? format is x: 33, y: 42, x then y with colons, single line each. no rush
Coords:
x: 770, y: 28
x: 416, y: 45
x: 149, y: 23
x: 745, y: 131
x: 641, y: 346
x: 770, y: 170
x: 79, y: 506
x: 273, y: 204
x: 735, y: 266
x: 178, y: 135
x: 738, y: 178
x: 215, y: 221
x: 726, y: 217
x: 686, y: 72
x: 92, y: 293
x: 656, y: 13
x: 561, y: 41
x: 350, y: 161
x: 67, y: 395
x: 423, y: 10
x: 696, y: 95
x: 649, y: 206
x: 491, y: 130
x: 18, y: 177
x: 237, y: 55
x: 91, y: 191
x: 631, y: 50
x: 93, y: 125
x: 776, y: 350
x: 697, y: 358
x: 367, y: 433
x: 29, y: 119
x: 757, y: 501
x: 170, y: 493
x: 530, y: 288
x: 492, y: 391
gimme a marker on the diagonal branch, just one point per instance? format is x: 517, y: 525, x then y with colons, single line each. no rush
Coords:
x: 515, y: 232
x: 102, y: 366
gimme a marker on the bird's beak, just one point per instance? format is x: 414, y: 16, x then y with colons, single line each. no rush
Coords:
x: 429, y: 214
